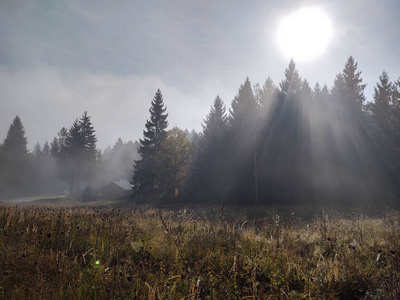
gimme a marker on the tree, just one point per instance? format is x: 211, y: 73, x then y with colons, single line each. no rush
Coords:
x: 292, y: 82
x: 265, y: 95
x: 15, y: 159
x: 306, y: 93
x: 172, y: 162
x: 243, y: 144
x: 208, y: 171
x: 71, y: 156
x: 77, y: 152
x: 382, y: 101
x: 46, y: 149
x: 353, y: 85
x: 89, y: 147
x: 144, y: 176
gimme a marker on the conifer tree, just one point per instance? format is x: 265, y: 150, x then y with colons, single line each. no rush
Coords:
x: 144, y: 176
x: 54, y: 148
x: 306, y: 92
x: 46, y: 149
x: 89, y: 147
x: 72, y: 157
x: 317, y: 92
x: 354, y: 87
x: 265, y: 94
x: 292, y: 82
x: 77, y: 152
x: 208, y: 178
x: 382, y: 100
x: 243, y: 144
x: 15, y: 158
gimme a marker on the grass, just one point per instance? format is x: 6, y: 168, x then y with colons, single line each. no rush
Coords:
x: 202, y: 253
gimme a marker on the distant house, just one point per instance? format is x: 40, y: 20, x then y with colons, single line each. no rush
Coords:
x: 118, y: 189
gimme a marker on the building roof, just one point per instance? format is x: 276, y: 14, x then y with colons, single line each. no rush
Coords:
x: 123, y: 184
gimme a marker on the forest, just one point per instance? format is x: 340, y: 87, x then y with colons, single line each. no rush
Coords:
x: 286, y: 143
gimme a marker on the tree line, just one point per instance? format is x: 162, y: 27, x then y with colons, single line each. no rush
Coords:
x: 286, y: 143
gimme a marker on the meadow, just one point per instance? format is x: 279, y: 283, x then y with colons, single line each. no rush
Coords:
x: 207, y: 252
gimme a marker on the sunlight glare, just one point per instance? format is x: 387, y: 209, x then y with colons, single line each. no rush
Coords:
x: 305, y: 34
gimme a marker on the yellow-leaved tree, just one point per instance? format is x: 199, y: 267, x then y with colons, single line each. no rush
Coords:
x: 172, y: 162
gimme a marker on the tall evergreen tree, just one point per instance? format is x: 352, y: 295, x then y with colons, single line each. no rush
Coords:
x: 208, y: 178
x: 15, y: 160
x: 382, y: 101
x: 46, y: 149
x: 353, y: 85
x: 72, y: 157
x: 89, y: 144
x: 265, y: 94
x: 54, y: 148
x: 77, y: 152
x: 243, y: 144
x: 292, y: 82
x: 144, y: 176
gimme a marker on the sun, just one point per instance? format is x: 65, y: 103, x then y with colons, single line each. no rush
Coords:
x: 304, y: 34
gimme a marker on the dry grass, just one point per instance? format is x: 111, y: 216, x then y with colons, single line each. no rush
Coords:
x: 145, y: 253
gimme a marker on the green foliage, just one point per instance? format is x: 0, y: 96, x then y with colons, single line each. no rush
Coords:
x: 144, y: 176
x: 90, y: 253
x: 208, y: 179
x: 172, y: 162
x: 15, y: 169
x: 77, y: 153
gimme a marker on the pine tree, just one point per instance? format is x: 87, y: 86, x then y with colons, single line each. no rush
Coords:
x: 46, y: 149
x: 317, y: 92
x: 292, y: 82
x: 208, y: 171
x: 89, y: 150
x: 144, y: 177
x: 215, y: 125
x: 37, y: 150
x: 15, y: 159
x: 265, y: 94
x: 72, y: 157
x: 243, y: 144
x: 353, y: 85
x: 382, y: 100
x: 243, y: 112
x: 306, y: 93
x: 54, y: 148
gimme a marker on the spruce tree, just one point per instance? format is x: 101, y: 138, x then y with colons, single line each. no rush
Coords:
x: 242, y: 145
x: 382, y: 100
x: 144, y: 176
x: 46, y: 149
x: 209, y: 170
x: 72, y: 157
x: 54, y: 148
x: 264, y: 95
x: 292, y: 82
x: 89, y: 147
x: 353, y: 85
x: 15, y: 159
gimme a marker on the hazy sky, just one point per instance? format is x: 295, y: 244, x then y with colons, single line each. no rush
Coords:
x: 60, y: 58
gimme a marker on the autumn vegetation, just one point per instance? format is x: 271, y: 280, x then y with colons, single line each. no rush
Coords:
x: 208, y: 252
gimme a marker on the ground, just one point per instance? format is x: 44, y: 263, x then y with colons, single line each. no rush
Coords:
x: 110, y: 250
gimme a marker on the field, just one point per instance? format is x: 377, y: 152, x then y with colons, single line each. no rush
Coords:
x: 205, y: 252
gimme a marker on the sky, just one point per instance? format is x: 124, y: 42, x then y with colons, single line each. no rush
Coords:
x: 61, y: 58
